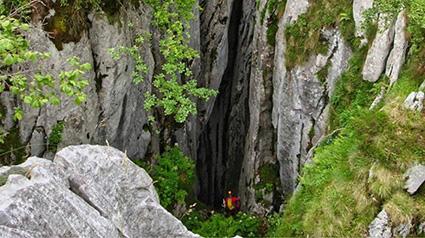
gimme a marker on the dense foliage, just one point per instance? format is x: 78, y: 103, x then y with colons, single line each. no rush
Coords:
x: 55, y: 136
x: 219, y: 225
x: 175, y: 91
x: 174, y: 176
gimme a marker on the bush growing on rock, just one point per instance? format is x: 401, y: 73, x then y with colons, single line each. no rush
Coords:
x: 174, y: 175
x: 20, y: 74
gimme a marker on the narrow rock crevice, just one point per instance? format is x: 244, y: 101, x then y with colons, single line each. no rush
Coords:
x: 222, y: 141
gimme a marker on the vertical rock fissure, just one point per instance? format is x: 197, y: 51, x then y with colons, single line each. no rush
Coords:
x: 221, y: 143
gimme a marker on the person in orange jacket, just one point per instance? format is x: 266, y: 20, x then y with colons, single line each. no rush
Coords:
x: 231, y: 203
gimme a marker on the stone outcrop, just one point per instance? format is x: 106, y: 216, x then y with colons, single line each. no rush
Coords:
x: 300, y: 112
x: 377, y: 55
x: 415, y: 178
x: 87, y: 191
x: 120, y: 119
x: 398, y: 53
x: 415, y: 101
x: 388, y: 50
x: 380, y: 226
x: 80, y: 126
x: 293, y: 9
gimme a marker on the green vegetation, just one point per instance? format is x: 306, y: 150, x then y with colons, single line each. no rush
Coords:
x: 268, y: 182
x: 175, y: 92
x: 275, y: 9
x: 55, y: 136
x: 12, y: 152
x: 35, y: 86
x: 81, y: 4
x: 360, y: 171
x: 174, y: 176
x: 321, y: 75
x: 304, y: 36
x: 218, y: 225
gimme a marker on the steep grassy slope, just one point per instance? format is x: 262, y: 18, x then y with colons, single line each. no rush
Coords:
x: 359, y: 170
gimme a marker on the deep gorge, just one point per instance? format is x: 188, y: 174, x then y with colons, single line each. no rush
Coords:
x: 221, y: 143
x: 317, y: 123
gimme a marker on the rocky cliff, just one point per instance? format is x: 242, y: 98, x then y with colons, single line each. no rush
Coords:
x: 271, y: 112
x: 87, y: 191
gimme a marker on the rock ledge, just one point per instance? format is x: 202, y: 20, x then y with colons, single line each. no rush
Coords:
x: 87, y: 191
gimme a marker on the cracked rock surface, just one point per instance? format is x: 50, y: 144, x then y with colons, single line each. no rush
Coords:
x: 87, y: 191
x: 380, y: 226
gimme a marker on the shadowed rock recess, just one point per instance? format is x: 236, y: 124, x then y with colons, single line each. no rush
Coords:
x: 87, y: 191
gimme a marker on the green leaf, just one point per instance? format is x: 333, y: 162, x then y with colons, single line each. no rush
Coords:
x: 18, y: 115
x: 9, y: 60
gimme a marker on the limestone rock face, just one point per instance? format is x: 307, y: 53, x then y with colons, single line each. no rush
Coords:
x: 359, y: 8
x: 87, y: 191
x: 78, y: 119
x: 300, y: 98
x: 377, y: 55
x: 293, y: 9
x: 214, y: 46
x: 381, y: 226
x: 114, y: 107
x: 398, y: 53
x: 415, y: 178
x: 223, y: 134
x: 121, y: 119
x: 259, y: 147
x: 403, y: 230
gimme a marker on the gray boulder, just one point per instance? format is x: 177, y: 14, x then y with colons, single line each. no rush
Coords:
x: 87, y: 191
x: 415, y: 178
x: 398, y: 53
x: 377, y: 55
x: 44, y: 206
x: 380, y: 226
x: 415, y: 101
x: 403, y: 230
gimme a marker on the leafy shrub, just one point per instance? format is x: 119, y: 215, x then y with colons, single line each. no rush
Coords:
x: 176, y: 91
x: 218, y: 225
x: 55, y: 136
x: 174, y: 176
x: 19, y: 73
